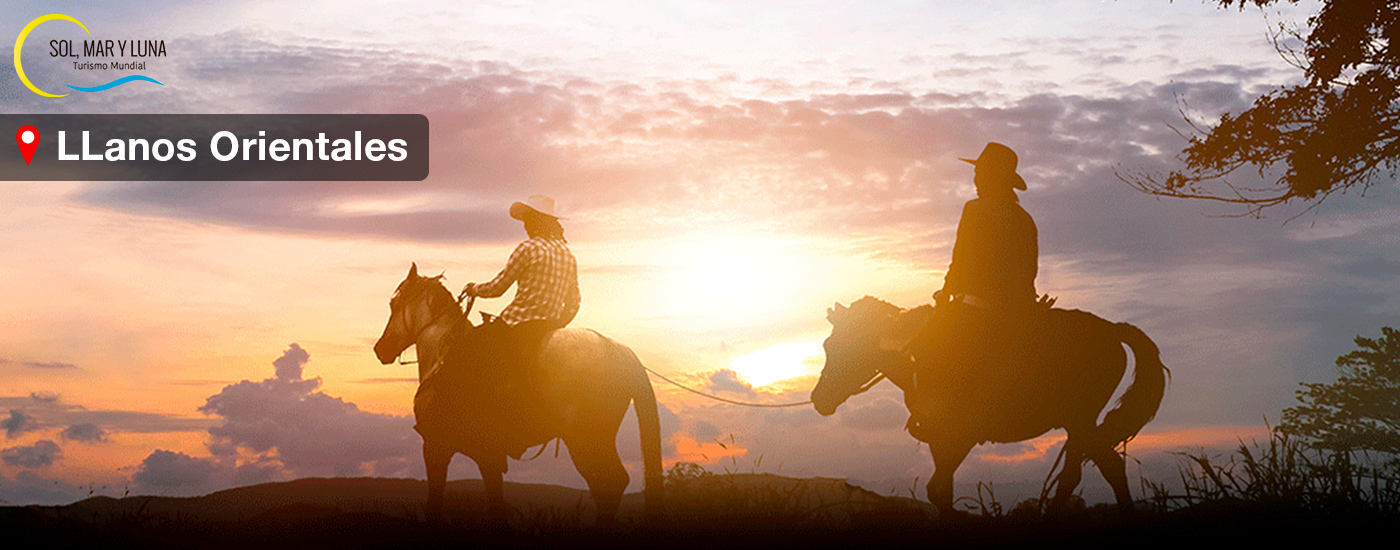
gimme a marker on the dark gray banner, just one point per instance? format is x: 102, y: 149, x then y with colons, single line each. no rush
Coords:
x: 214, y: 148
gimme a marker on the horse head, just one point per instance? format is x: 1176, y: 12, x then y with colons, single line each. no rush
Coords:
x: 416, y: 303
x: 863, y: 341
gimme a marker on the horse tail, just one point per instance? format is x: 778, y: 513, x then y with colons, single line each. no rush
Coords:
x: 1140, y: 401
x: 649, y: 432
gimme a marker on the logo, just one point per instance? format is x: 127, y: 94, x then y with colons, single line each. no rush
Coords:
x: 27, y: 137
x: 91, y: 48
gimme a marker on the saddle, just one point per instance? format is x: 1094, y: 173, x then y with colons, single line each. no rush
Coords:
x: 963, y: 344
x: 480, y: 398
x: 965, y: 329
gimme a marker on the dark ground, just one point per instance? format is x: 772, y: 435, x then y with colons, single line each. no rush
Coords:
x: 737, y: 511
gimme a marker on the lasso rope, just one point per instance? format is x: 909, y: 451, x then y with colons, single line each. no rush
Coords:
x: 863, y: 389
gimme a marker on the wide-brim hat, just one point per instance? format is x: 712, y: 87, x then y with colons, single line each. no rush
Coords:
x: 538, y: 204
x: 1000, y: 160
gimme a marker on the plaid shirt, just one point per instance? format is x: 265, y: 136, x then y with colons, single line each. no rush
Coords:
x: 548, y: 283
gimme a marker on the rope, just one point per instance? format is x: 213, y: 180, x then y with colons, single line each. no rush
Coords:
x: 863, y: 389
x: 730, y: 401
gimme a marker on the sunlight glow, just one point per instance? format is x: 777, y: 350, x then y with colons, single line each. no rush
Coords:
x: 718, y: 277
x: 778, y: 363
x: 688, y: 449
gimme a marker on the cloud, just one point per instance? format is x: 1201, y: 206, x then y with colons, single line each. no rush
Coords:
x: 288, y: 366
x: 844, y: 161
x: 629, y: 441
x: 42, y: 453
x: 48, y: 409
x: 728, y: 380
x: 49, y: 365
x: 307, y: 431
x: 1372, y: 267
x: 46, y: 365
x: 17, y: 424
x: 259, y: 471
x: 87, y: 432
x: 44, y: 397
x: 704, y: 431
x: 29, y: 489
x: 884, y: 414
x: 168, y: 469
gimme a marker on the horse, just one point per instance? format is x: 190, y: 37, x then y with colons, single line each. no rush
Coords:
x: 586, y: 382
x: 1071, y: 365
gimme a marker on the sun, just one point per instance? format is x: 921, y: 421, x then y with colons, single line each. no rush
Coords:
x: 743, y: 298
x: 717, y: 279
x: 780, y: 362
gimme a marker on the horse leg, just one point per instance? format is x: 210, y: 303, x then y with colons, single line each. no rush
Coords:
x: 1114, y: 471
x: 1070, y: 475
x: 597, y: 461
x: 435, y: 460
x: 493, y: 478
x: 946, y: 459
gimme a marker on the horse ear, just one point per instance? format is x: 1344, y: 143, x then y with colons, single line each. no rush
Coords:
x: 413, y: 270
x: 836, y: 313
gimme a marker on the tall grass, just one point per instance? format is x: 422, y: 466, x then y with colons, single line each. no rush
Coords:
x: 749, y: 501
x: 1286, y: 472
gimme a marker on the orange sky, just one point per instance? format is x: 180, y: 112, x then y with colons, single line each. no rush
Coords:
x: 728, y: 172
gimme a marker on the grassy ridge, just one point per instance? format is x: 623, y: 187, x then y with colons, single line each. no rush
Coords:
x: 1277, y: 490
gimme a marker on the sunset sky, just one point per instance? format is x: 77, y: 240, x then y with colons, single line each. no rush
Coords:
x: 728, y: 170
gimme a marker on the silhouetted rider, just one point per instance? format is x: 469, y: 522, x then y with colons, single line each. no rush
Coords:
x: 995, y: 256
x: 989, y: 291
x: 546, y: 296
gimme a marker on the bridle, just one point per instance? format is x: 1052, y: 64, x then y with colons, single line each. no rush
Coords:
x: 876, y: 377
x: 419, y: 289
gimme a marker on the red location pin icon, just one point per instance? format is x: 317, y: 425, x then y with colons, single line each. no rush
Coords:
x: 28, y: 140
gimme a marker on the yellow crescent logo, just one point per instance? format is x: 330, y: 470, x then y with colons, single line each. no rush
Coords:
x: 19, y: 46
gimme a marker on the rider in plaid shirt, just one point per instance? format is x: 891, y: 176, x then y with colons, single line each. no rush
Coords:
x: 543, y: 269
x: 547, y: 275
x: 546, y: 298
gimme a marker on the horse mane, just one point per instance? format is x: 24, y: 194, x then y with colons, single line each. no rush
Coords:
x: 439, y: 298
x: 872, y: 306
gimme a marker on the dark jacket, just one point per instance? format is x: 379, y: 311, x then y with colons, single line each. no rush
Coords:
x: 996, y: 254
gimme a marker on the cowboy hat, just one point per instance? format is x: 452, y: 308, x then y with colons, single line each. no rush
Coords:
x: 1000, y: 160
x: 539, y: 204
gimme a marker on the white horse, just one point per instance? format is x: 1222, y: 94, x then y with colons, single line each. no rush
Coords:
x: 586, y: 381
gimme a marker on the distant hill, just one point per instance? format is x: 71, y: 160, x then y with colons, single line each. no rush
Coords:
x: 403, y: 498
x: 311, y: 496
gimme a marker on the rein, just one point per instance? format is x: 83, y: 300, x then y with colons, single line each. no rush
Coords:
x: 470, y: 301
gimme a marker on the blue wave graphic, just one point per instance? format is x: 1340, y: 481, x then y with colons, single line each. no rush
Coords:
x: 115, y: 83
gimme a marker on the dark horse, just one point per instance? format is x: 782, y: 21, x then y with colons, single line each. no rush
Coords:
x: 586, y: 382
x: 1064, y: 379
